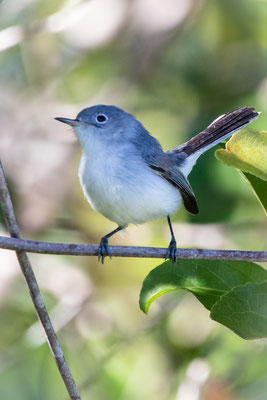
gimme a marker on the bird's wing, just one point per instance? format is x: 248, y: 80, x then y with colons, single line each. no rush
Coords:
x: 177, y: 179
x: 167, y: 167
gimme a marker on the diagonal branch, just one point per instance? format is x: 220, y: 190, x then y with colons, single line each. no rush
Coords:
x: 128, y: 251
x: 37, y: 299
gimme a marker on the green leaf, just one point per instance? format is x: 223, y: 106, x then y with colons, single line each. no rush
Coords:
x: 232, y: 290
x: 208, y: 280
x: 244, y: 310
x: 259, y: 188
x: 247, y: 151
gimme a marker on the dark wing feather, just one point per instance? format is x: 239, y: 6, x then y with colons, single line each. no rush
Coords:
x: 177, y: 179
x: 167, y: 167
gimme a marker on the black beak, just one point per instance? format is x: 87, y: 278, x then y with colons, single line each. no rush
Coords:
x: 71, y: 122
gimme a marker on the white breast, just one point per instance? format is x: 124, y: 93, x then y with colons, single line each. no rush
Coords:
x: 125, y: 190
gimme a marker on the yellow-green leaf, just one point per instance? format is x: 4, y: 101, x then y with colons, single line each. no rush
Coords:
x: 247, y: 151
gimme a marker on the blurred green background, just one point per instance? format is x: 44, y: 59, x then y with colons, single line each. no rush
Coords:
x: 177, y: 65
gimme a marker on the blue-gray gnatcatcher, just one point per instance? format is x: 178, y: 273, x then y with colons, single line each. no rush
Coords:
x: 126, y: 175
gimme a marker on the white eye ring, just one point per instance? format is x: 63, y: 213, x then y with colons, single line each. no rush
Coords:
x: 101, y: 118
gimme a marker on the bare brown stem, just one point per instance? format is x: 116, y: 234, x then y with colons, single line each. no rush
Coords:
x: 128, y: 251
x: 37, y: 299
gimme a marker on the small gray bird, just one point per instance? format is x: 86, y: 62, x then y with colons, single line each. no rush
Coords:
x: 126, y: 175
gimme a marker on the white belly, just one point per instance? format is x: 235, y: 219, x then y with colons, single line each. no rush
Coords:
x: 126, y: 191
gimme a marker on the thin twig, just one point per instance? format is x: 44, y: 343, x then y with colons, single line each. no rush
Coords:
x: 37, y: 299
x: 128, y: 251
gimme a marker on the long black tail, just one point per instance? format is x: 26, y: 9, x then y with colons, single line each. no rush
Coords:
x: 218, y: 130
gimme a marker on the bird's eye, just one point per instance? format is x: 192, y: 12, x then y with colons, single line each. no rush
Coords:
x: 101, y: 118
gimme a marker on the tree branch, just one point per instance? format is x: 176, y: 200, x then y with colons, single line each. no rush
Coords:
x: 37, y: 299
x: 127, y: 251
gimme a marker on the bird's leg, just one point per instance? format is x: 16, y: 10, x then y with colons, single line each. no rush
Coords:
x: 171, y: 253
x: 103, y: 249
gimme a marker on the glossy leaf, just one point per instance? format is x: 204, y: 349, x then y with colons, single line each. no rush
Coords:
x: 244, y: 310
x: 209, y: 281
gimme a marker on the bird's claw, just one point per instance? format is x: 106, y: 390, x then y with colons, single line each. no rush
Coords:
x: 103, y: 250
x: 171, y: 253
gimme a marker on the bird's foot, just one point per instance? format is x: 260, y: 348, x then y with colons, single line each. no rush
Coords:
x: 103, y: 250
x: 171, y: 253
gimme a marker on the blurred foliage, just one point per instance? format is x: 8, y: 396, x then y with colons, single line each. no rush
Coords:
x: 176, y: 68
